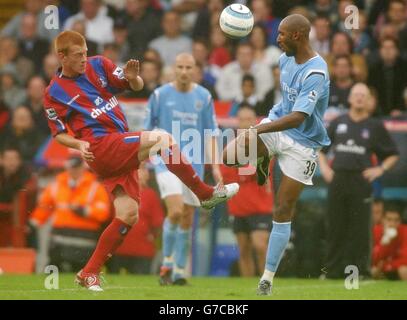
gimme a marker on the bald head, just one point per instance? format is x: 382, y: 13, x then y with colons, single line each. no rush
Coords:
x: 184, y: 71
x: 296, y: 23
x: 359, y: 97
x: 293, y: 35
x: 185, y: 57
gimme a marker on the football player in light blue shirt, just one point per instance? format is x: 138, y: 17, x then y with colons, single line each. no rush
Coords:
x: 184, y: 109
x: 293, y: 132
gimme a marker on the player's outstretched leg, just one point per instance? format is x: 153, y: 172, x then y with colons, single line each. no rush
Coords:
x: 287, y: 196
x: 153, y: 142
x: 240, y: 152
x: 126, y: 215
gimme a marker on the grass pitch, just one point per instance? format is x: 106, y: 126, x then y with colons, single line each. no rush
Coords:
x: 124, y: 287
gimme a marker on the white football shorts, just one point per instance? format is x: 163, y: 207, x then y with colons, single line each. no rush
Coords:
x: 295, y: 160
x: 169, y: 184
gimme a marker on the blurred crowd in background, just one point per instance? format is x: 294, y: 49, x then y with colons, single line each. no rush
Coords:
x: 244, y: 73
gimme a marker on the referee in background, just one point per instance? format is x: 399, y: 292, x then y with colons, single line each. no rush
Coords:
x: 355, y: 139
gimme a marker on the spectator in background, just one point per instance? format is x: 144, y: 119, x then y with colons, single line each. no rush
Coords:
x: 31, y: 46
x: 10, y: 58
x: 249, y: 97
x: 167, y: 75
x: 200, y: 52
x: 388, y: 77
x: 228, y: 86
x: 80, y: 27
x: 396, y: 14
x: 220, y: 53
x: 320, y: 36
x: 251, y: 208
x: 341, y: 44
x: 143, y: 25
x: 207, y: 17
x: 49, y: 67
x: 187, y: 9
x: 23, y: 134
x: 13, y: 94
x: 361, y: 38
x: 36, y: 7
x: 273, y: 96
x: 138, y: 250
x: 13, y: 177
x: 390, y: 245
x: 172, y: 42
x: 263, y: 53
x: 150, y: 72
x: 354, y: 139
x: 99, y: 26
x: 327, y: 8
x: 112, y: 52
x: 262, y: 13
x: 78, y: 205
x: 341, y: 83
x: 120, y: 34
x: 343, y: 14
x: 198, y: 77
x: 35, y: 96
x: 153, y: 55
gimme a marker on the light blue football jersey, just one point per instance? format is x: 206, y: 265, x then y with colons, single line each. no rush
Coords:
x: 186, y: 115
x: 305, y: 88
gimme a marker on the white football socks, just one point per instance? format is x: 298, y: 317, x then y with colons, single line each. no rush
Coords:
x: 268, y: 275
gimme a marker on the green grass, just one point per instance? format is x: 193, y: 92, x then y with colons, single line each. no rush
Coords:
x: 125, y: 287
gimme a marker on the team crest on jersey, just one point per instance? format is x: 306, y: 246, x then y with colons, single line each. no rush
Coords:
x: 98, y: 101
x: 365, y: 134
x: 103, y: 82
x: 51, y: 113
x: 198, y: 105
x: 342, y: 128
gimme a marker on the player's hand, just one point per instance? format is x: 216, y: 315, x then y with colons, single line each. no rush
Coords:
x: 131, y: 70
x: 217, y: 174
x: 371, y: 174
x: 85, y: 153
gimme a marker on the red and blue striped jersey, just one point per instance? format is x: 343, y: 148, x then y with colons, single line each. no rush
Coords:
x: 87, y: 103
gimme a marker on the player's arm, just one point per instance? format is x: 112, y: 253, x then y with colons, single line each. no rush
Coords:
x: 292, y: 120
x: 304, y: 105
x: 131, y: 73
x: 71, y: 142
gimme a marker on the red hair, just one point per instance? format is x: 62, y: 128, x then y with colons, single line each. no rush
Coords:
x: 67, y: 39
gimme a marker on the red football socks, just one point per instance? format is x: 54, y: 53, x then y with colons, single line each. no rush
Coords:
x: 108, y: 242
x: 180, y: 166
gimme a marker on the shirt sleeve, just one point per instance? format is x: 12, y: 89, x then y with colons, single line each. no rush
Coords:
x: 151, y: 119
x: 311, y: 91
x: 384, y: 145
x: 56, y: 115
x: 115, y: 76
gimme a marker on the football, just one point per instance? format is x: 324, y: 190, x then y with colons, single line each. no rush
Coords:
x: 236, y: 21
